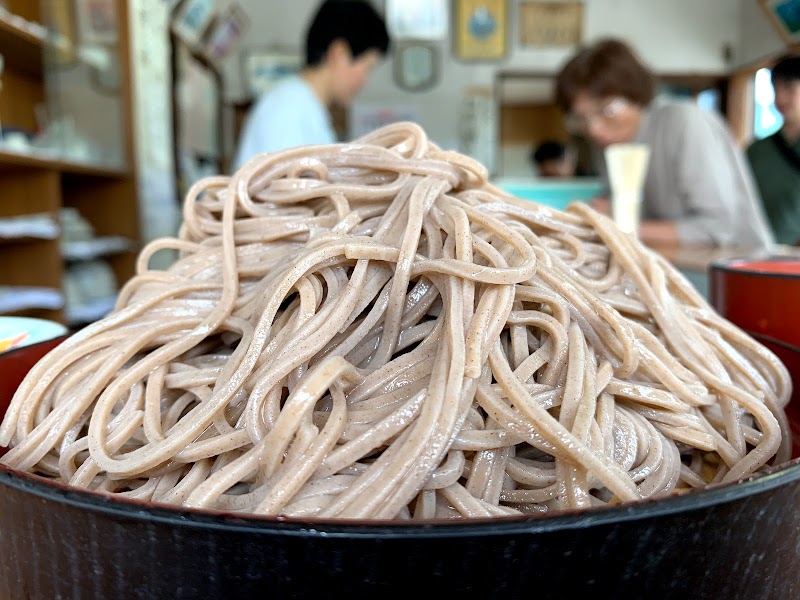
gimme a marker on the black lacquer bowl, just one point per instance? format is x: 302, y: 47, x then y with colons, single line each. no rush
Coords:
x: 735, y: 541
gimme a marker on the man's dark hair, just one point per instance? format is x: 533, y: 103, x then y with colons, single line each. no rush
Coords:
x: 787, y: 68
x: 354, y: 21
x: 549, y: 150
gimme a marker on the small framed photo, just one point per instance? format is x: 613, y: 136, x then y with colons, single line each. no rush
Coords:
x: 421, y: 20
x: 97, y: 22
x: 480, y: 30
x: 551, y: 24
x: 785, y: 18
x: 192, y: 19
x: 263, y: 68
x: 416, y: 65
x: 225, y: 32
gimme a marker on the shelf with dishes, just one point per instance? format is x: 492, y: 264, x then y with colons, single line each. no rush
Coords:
x: 23, y: 43
x: 90, y: 281
x: 38, y: 63
x: 46, y: 302
x: 29, y: 228
x: 55, y: 161
x: 83, y: 287
x: 21, y: 298
x: 66, y: 150
x: 50, y: 302
x: 96, y: 248
x: 90, y: 311
x: 39, y: 227
x: 90, y: 291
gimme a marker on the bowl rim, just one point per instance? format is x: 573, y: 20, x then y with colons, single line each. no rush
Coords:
x: 762, y: 338
x: 48, y: 330
x: 27, y: 348
x: 228, y: 522
x: 727, y: 265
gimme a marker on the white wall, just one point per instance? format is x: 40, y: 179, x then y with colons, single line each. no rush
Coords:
x: 757, y: 39
x: 671, y: 35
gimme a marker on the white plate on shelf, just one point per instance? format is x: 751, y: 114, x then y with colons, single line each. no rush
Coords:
x: 16, y: 332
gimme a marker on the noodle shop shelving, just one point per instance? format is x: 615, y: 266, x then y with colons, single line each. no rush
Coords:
x: 65, y: 110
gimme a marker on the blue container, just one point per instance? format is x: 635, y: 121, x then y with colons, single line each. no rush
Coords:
x: 556, y: 194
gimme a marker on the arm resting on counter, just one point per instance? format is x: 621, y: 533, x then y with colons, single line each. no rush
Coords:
x: 659, y: 233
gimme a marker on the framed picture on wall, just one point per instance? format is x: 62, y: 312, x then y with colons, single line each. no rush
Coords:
x: 97, y: 21
x: 262, y: 68
x: 416, y: 65
x: 192, y: 19
x: 551, y: 23
x: 480, y: 29
x: 225, y: 32
x: 785, y: 18
x: 421, y: 20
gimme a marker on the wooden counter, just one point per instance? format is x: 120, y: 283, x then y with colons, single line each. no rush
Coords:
x: 700, y: 258
x: 694, y: 261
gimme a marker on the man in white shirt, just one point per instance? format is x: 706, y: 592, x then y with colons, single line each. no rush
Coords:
x: 345, y: 41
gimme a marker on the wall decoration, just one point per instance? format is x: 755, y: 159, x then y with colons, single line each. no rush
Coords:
x: 97, y: 21
x: 263, y: 68
x: 416, y: 65
x: 226, y: 31
x: 192, y: 19
x: 551, y: 23
x: 481, y: 29
x: 784, y: 15
x: 417, y: 19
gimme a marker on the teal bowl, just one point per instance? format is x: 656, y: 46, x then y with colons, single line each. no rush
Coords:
x: 556, y: 194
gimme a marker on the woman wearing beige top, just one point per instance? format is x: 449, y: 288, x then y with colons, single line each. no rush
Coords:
x: 698, y: 189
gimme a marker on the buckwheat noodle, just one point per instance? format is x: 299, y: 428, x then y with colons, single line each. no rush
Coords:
x: 373, y: 331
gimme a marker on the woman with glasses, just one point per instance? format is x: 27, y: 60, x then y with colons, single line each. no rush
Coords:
x: 698, y: 189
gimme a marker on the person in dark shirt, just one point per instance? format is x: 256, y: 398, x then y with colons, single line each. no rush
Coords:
x: 775, y: 160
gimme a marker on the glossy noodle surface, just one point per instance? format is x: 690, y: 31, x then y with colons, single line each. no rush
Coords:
x: 373, y: 331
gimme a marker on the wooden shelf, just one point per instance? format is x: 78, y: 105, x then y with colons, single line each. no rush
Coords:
x: 15, y: 161
x: 100, y: 247
x: 19, y: 298
x: 21, y: 49
x: 27, y: 239
x: 46, y: 180
x: 29, y: 228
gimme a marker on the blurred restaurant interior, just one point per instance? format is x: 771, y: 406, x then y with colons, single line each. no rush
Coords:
x: 111, y: 110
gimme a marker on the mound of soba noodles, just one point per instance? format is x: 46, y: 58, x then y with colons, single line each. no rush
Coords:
x: 373, y: 331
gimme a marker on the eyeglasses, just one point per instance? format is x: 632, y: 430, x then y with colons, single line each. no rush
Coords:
x: 606, y: 115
